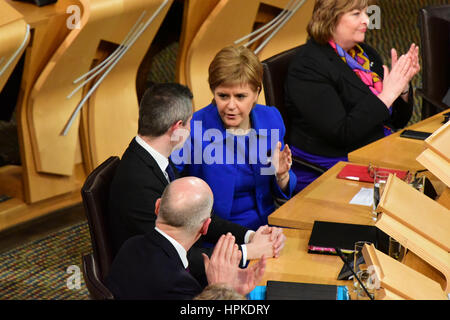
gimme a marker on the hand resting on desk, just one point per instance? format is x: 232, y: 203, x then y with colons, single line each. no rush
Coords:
x: 267, y: 241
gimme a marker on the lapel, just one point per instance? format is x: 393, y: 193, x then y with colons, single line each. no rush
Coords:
x: 342, y: 68
x: 149, y: 161
x: 160, y: 241
x: 157, y: 239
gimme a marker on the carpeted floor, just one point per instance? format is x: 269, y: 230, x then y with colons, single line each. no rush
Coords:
x: 39, y: 270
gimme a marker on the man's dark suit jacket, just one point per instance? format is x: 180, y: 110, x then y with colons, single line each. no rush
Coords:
x: 136, y: 186
x: 332, y: 111
x: 149, y: 267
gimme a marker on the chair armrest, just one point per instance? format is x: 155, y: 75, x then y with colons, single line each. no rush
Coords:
x: 308, y: 164
x: 435, y: 103
x: 96, y: 288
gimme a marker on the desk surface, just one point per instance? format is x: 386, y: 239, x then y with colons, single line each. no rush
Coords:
x: 326, y: 199
x: 396, y: 152
x: 295, y: 264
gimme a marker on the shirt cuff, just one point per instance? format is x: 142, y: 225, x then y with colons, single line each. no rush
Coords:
x: 244, y: 255
x: 247, y: 236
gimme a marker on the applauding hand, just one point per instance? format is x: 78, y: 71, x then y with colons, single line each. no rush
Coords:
x: 413, y: 53
x: 223, y: 267
x: 396, y: 81
x: 282, y: 161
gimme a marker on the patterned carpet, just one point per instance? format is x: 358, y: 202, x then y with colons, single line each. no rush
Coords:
x: 38, y: 270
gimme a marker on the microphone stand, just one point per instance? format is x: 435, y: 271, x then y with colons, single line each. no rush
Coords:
x: 341, y: 255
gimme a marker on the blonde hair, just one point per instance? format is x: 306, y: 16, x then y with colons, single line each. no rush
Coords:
x: 219, y: 292
x: 326, y: 15
x: 234, y: 66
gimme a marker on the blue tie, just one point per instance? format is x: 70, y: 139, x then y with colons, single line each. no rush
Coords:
x: 170, y: 173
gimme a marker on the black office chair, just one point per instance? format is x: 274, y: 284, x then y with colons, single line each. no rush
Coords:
x: 434, y: 24
x: 275, y: 70
x: 95, y: 199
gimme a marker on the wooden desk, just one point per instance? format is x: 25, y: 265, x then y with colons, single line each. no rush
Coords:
x: 295, y: 264
x: 326, y: 199
x: 396, y: 152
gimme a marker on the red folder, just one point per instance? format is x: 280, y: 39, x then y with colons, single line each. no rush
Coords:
x: 361, y: 173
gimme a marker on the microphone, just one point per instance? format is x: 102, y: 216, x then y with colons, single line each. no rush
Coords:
x: 341, y: 255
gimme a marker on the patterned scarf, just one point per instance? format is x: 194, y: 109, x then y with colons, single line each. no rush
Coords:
x: 359, y: 62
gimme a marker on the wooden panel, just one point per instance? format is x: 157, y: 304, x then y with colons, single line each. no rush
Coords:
x: 416, y: 211
x: 439, y: 141
x: 101, y: 19
x: 49, y: 31
x: 400, y: 279
x: 13, y: 33
x: 15, y: 212
x: 8, y: 14
x: 113, y: 108
x: 439, y: 166
x: 413, y: 261
x: 195, y: 12
x: 421, y: 246
x: 11, y: 181
x: 50, y: 110
x: 238, y: 17
x: 444, y: 198
x: 326, y: 199
x: 292, y: 34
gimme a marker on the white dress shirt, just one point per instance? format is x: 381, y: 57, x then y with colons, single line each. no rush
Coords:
x: 161, y: 160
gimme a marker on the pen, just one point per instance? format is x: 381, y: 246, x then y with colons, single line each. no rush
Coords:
x: 352, y: 178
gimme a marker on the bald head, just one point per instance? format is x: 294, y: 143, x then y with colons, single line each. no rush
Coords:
x: 186, y: 203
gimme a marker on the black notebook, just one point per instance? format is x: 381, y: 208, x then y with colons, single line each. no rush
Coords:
x: 326, y: 236
x: 280, y: 290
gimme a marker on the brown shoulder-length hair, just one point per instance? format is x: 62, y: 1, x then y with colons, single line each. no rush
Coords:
x: 235, y: 66
x: 326, y: 15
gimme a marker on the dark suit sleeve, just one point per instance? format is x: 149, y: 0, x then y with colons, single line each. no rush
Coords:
x: 313, y: 89
x: 219, y: 226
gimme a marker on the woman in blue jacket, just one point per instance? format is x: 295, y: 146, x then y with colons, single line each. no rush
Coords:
x: 235, y: 144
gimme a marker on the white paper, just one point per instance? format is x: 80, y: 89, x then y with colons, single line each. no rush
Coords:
x: 364, y: 197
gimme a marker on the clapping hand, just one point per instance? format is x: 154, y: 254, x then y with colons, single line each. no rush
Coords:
x: 282, y: 161
x: 413, y: 53
x: 396, y: 80
x: 223, y: 267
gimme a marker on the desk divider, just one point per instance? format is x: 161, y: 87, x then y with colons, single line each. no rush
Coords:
x: 398, y: 281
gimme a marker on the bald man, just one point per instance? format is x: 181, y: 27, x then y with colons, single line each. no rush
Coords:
x: 155, y: 265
